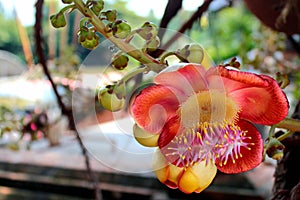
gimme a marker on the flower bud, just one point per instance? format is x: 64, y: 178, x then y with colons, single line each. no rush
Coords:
x: 58, y: 20
x: 145, y: 138
x: 88, y: 38
x: 120, y: 61
x: 67, y: 1
x: 109, y: 100
x: 148, y: 31
x: 282, y: 80
x: 152, y: 44
x: 192, y: 53
x: 97, y: 6
x: 121, y: 29
x: 111, y: 15
x: 275, y: 149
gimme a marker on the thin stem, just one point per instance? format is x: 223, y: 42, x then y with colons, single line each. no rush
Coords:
x: 272, y: 132
x: 285, y: 135
x: 133, y: 73
x: 289, y: 124
x: 67, y: 8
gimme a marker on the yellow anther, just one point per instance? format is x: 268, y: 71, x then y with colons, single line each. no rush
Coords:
x: 199, y: 136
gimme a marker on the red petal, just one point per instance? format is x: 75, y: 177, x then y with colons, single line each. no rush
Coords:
x: 250, y: 158
x: 232, y: 80
x: 188, y: 79
x: 259, y: 97
x: 153, y: 107
x: 171, y: 129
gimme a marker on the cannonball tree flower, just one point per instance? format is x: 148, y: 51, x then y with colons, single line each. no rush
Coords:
x: 202, y: 121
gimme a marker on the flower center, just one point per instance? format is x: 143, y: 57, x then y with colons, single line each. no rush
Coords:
x: 209, y: 131
x: 217, y: 142
x: 208, y: 107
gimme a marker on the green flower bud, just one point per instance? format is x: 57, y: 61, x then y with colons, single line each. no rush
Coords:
x: 148, y: 31
x: 90, y: 44
x: 97, y: 6
x: 88, y: 38
x: 152, y: 44
x: 111, y: 15
x: 120, y: 61
x: 282, y: 80
x: 192, y: 53
x: 67, y: 1
x: 275, y: 149
x: 58, y: 20
x: 109, y: 100
x: 121, y: 29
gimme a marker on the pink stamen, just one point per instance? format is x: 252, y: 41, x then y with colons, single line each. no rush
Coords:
x: 208, y: 142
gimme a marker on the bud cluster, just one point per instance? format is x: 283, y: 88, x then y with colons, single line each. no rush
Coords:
x: 119, y: 31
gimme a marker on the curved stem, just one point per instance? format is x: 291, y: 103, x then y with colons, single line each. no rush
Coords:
x: 290, y: 124
x: 285, y: 135
x: 67, y: 8
x: 133, y: 73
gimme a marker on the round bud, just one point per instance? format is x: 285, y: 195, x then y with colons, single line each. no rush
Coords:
x: 97, y: 6
x: 88, y: 38
x: 152, y: 44
x: 110, y: 100
x: 91, y: 44
x: 120, y: 61
x: 121, y: 29
x: 58, y: 20
x: 192, y: 53
x: 145, y: 138
x: 275, y: 149
x: 111, y: 15
x: 148, y: 31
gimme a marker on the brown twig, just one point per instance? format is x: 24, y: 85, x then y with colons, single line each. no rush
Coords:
x: 65, y: 111
x: 171, y: 10
x: 186, y: 26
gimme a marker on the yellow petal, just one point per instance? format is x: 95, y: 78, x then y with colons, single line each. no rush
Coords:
x: 160, y: 166
x: 207, y: 62
x: 174, y: 174
x: 198, y: 177
x: 145, y: 138
x: 166, y: 173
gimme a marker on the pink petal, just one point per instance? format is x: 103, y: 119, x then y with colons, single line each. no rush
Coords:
x: 259, y: 97
x: 153, y: 107
x: 250, y: 158
x: 188, y: 79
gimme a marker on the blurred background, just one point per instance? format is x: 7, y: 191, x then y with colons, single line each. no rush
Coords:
x: 40, y: 158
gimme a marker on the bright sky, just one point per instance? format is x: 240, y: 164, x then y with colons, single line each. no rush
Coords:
x: 26, y: 10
